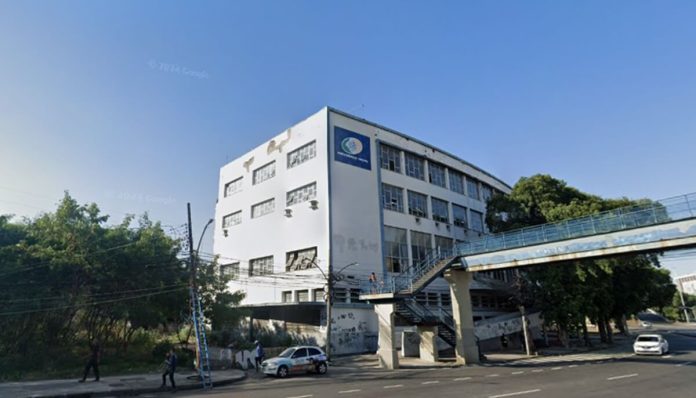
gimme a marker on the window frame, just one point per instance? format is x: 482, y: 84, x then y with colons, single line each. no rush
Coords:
x: 393, y: 154
x: 311, y: 147
x: 439, y: 217
x: 255, y: 181
x: 416, y: 212
x: 388, y: 189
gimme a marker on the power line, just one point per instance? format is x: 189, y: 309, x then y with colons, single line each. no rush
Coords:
x: 121, y: 292
x: 90, y: 304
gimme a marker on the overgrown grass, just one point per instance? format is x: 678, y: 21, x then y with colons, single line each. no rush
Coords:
x: 144, y: 354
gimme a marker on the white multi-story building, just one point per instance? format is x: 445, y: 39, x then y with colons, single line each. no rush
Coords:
x: 342, y: 191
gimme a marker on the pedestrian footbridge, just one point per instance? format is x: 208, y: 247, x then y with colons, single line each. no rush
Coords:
x: 652, y: 227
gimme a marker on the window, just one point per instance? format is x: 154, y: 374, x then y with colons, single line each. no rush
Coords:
x: 456, y: 181
x: 233, y: 187
x: 300, y: 259
x: 420, y: 246
x: 232, y: 219
x: 417, y: 204
x: 302, y: 154
x: 395, y: 249
x: 263, y: 173
x: 484, y: 302
x: 436, y: 174
x: 230, y: 270
x: 443, y: 243
x: 263, y: 208
x: 392, y: 198
x: 477, y: 221
x: 354, y: 295
x: 486, y: 192
x: 318, y: 294
x: 390, y: 158
x: 286, y: 296
x: 340, y: 295
x: 300, y: 353
x: 445, y: 299
x: 475, y: 300
x: 459, y: 215
x: 432, y: 299
x: 415, y: 166
x: 261, y: 266
x: 313, y: 352
x: 440, y: 210
x: 302, y: 296
x: 472, y: 188
x: 301, y: 194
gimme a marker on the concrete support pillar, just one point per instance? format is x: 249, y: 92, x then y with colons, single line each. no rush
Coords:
x: 428, y: 343
x: 387, y: 352
x: 466, y: 349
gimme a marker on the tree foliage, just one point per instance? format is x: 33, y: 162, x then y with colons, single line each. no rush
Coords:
x: 600, y: 290
x: 67, y: 277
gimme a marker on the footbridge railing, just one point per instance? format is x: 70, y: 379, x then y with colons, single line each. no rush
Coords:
x: 630, y: 217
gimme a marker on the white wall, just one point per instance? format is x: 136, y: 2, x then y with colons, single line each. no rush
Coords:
x: 274, y: 234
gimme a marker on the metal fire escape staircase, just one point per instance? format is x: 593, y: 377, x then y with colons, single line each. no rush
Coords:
x: 420, y: 315
x: 417, y: 277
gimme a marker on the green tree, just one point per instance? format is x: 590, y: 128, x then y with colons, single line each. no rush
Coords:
x: 600, y: 289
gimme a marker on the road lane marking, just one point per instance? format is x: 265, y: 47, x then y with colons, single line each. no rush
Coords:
x: 462, y: 378
x: 537, y: 370
x: 557, y: 368
x: 430, y: 382
x: 493, y: 375
x: 302, y: 396
x: 685, y: 363
x: 512, y: 394
x: 519, y: 372
x: 394, y: 386
x: 622, y: 376
x: 572, y: 366
x: 667, y: 356
x: 348, y: 391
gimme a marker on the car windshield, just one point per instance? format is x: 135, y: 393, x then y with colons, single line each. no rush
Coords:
x: 648, y: 338
x: 287, y: 353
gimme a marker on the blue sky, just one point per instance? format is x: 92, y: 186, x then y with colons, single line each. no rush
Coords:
x: 136, y: 105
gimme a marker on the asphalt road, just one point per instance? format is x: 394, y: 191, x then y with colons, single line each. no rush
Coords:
x: 580, y: 375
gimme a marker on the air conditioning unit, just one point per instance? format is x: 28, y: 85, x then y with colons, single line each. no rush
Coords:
x: 313, y: 204
x: 288, y: 212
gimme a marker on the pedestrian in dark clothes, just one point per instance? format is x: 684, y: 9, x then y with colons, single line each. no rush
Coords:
x: 170, y: 368
x: 93, y: 362
x: 259, y: 355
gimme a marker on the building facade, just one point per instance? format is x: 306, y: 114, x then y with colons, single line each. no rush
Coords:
x: 342, y: 191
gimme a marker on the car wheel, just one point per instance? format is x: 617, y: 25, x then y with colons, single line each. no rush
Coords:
x: 322, y: 368
x: 283, y: 372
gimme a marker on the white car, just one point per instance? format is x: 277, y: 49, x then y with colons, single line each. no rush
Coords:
x: 650, y: 344
x: 300, y: 359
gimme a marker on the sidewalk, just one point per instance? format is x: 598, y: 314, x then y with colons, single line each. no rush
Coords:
x: 113, y: 385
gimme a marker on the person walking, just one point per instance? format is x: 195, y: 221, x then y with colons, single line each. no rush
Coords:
x: 170, y: 363
x: 259, y: 354
x: 93, y: 361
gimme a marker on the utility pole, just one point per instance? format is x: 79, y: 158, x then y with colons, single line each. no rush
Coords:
x: 192, y: 263
x: 681, y: 295
x: 329, y: 311
x: 192, y: 282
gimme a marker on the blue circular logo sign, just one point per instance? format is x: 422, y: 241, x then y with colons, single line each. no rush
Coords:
x: 351, y: 145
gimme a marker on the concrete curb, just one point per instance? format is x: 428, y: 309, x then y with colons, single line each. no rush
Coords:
x: 144, y: 390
